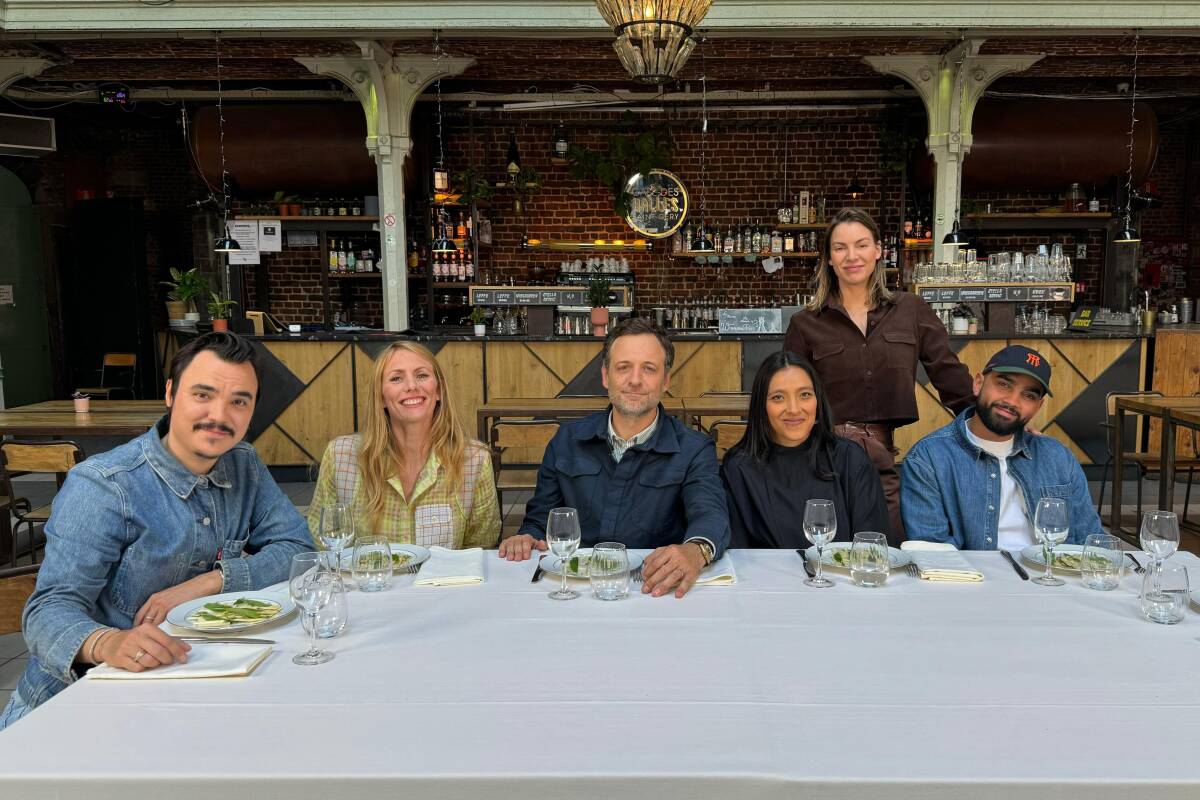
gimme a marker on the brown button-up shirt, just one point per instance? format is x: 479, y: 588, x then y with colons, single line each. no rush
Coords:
x: 871, y: 378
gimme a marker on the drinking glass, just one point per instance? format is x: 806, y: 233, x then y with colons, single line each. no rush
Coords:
x: 332, y: 619
x: 335, y: 529
x: 310, y: 586
x: 820, y: 526
x: 1165, y: 594
x: 1052, y: 524
x: 1103, y: 562
x: 562, y: 536
x: 372, y: 564
x: 869, y: 559
x: 608, y: 570
x: 1159, y: 535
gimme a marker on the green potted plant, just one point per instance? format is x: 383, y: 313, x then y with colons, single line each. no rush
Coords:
x: 288, y: 204
x: 478, y: 318
x: 628, y: 153
x: 526, y: 184
x: 597, y: 295
x: 185, y: 288
x: 218, y: 311
x: 471, y: 186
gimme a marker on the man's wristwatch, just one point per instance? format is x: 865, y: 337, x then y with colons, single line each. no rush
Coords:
x: 706, y: 550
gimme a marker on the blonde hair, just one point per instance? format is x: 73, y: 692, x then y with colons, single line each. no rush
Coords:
x: 380, y: 455
x: 825, y: 282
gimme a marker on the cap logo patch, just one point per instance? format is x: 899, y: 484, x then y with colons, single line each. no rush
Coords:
x: 1033, y: 360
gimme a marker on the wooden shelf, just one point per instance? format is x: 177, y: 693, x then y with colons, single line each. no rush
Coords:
x: 355, y: 276
x: 918, y: 244
x: 452, y: 285
x: 694, y: 253
x: 339, y: 218
x: 802, y: 226
x: 1037, y: 221
x: 570, y: 246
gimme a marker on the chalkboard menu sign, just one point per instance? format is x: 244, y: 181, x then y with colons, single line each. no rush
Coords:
x: 1004, y: 293
x: 750, y: 320
x: 541, y: 296
x: 658, y: 203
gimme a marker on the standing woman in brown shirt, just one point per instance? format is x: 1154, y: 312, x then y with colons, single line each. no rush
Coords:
x: 865, y: 342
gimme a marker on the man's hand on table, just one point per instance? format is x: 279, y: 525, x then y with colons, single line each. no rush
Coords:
x: 674, y: 567
x: 520, y: 547
x: 155, y: 609
x: 143, y: 647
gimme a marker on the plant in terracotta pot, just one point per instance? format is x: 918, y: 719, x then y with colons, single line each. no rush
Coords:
x: 218, y: 311
x: 478, y: 318
x: 597, y: 296
x: 185, y: 288
x: 288, y: 204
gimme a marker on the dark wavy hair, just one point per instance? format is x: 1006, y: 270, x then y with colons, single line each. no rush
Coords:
x: 756, y: 441
x: 226, y: 345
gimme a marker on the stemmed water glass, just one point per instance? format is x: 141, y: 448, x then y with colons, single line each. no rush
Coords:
x: 311, y: 586
x: 820, y: 526
x: 1159, y: 536
x: 1052, y: 524
x: 336, y: 530
x: 562, y: 535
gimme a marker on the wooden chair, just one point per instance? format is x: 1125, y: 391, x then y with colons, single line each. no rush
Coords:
x: 517, y: 449
x: 726, y: 433
x: 1145, y: 462
x: 125, y: 366
x: 32, y: 457
x: 15, y: 587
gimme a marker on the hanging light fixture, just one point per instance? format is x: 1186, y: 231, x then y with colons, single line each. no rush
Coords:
x: 443, y: 243
x: 956, y: 237
x: 512, y: 161
x: 654, y: 37
x: 441, y: 176
x: 855, y: 189
x: 701, y: 243
x: 561, y: 143
x: 1129, y: 234
x: 226, y: 243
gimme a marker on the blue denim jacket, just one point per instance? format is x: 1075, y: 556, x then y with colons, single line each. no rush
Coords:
x: 134, y: 521
x: 950, y: 489
x: 663, y: 491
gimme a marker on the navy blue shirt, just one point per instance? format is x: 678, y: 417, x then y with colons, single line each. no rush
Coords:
x: 663, y: 491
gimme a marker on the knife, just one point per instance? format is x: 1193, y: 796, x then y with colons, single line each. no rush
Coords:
x: 808, y: 568
x: 539, y: 572
x: 1020, y: 570
x: 205, y: 640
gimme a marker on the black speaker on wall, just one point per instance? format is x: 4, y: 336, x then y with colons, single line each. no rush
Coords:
x: 104, y: 290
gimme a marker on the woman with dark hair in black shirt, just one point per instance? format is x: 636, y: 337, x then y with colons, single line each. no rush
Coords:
x: 789, y: 455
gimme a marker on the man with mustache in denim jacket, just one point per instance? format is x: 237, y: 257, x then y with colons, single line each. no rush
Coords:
x: 185, y: 510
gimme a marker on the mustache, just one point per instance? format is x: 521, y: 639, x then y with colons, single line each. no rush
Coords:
x: 213, y: 426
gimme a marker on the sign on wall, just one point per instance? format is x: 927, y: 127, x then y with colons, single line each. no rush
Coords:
x: 658, y: 204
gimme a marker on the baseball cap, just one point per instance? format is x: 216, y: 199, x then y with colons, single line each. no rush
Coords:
x: 1018, y: 358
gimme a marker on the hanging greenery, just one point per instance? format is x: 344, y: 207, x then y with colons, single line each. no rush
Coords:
x: 629, y: 152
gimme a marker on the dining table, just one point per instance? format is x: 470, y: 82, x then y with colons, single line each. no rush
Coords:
x: 551, y: 408
x: 58, y: 418
x: 765, y: 688
x: 1172, y: 412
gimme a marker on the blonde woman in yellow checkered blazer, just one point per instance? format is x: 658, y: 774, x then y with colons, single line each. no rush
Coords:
x: 413, y: 474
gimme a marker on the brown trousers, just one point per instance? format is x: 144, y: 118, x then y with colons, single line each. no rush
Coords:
x: 876, y: 440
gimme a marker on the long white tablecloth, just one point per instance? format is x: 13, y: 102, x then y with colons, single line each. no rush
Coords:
x: 766, y: 689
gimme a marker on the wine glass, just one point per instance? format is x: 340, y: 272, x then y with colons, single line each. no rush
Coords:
x: 1052, y: 524
x: 820, y: 526
x: 1159, y: 535
x: 562, y: 535
x: 336, y: 529
x: 311, y: 587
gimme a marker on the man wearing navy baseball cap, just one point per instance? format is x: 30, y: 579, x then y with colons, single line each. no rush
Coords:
x: 976, y: 482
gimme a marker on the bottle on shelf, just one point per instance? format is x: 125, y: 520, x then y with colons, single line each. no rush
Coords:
x: 341, y: 258
x: 727, y: 243
x: 333, y: 259
x: 351, y: 258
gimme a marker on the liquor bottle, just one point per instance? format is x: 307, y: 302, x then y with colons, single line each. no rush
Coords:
x: 461, y: 229
x: 917, y: 232
x: 908, y: 228
x: 677, y: 242
x: 756, y: 241
x: 687, y: 238
x: 1093, y: 203
x: 728, y: 242
x: 351, y: 259
x: 776, y: 241
x: 414, y: 258
x: 737, y: 242
x: 461, y: 266
x: 789, y: 242
x: 470, y: 267
x: 895, y: 254
x: 333, y: 260
x: 341, y: 256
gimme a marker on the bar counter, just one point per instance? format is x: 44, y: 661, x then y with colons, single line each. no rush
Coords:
x: 317, y: 383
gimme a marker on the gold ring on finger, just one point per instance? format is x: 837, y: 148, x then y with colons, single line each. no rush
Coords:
x: 137, y: 657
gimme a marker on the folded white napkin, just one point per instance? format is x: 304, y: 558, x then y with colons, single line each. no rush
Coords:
x: 204, y: 661
x: 718, y: 573
x: 939, y: 561
x: 451, y: 567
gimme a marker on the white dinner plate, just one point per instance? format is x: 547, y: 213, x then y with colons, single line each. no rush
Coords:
x: 178, y: 616
x: 416, y: 555
x: 552, y: 564
x: 896, y: 558
x: 1033, y: 555
x: 1195, y: 598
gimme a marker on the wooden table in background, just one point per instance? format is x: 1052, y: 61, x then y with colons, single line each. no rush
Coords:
x: 552, y: 407
x: 1171, y: 411
x: 57, y: 418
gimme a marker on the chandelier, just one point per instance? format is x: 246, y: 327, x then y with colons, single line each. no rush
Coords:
x: 654, y: 37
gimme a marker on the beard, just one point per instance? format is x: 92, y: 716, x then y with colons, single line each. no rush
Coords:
x: 634, y: 409
x: 997, y: 424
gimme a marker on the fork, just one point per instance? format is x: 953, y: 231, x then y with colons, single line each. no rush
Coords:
x: 412, y: 569
x: 636, y: 575
x: 1138, y: 568
x: 912, y: 570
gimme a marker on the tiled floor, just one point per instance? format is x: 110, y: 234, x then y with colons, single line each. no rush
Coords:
x: 12, y: 664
